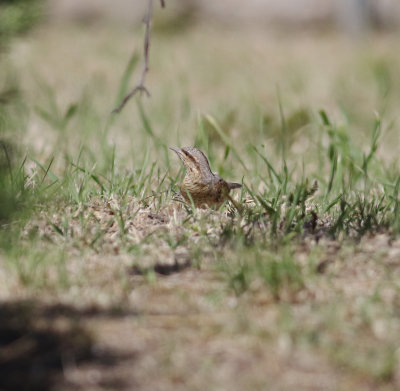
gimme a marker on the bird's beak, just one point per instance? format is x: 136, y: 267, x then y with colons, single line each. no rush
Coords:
x: 178, y: 151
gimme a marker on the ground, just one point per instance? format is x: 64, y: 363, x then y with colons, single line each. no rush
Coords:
x: 109, y: 281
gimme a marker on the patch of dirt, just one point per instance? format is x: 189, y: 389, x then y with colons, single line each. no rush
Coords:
x: 39, y: 344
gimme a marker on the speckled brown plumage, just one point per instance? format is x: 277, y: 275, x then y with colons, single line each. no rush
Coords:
x: 200, y: 184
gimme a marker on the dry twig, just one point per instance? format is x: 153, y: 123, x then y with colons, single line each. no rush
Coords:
x: 141, y: 87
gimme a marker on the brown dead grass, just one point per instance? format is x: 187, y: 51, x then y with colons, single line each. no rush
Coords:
x: 185, y: 330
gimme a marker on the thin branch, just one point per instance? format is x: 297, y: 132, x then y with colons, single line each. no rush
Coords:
x: 162, y: 3
x: 141, y: 87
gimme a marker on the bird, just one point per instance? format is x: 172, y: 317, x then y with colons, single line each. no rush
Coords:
x: 200, y: 185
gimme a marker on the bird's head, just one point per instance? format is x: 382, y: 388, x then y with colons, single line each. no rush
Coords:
x: 195, y: 162
x: 198, y: 168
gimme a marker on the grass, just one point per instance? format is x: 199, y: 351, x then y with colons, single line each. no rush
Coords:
x: 305, y: 267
